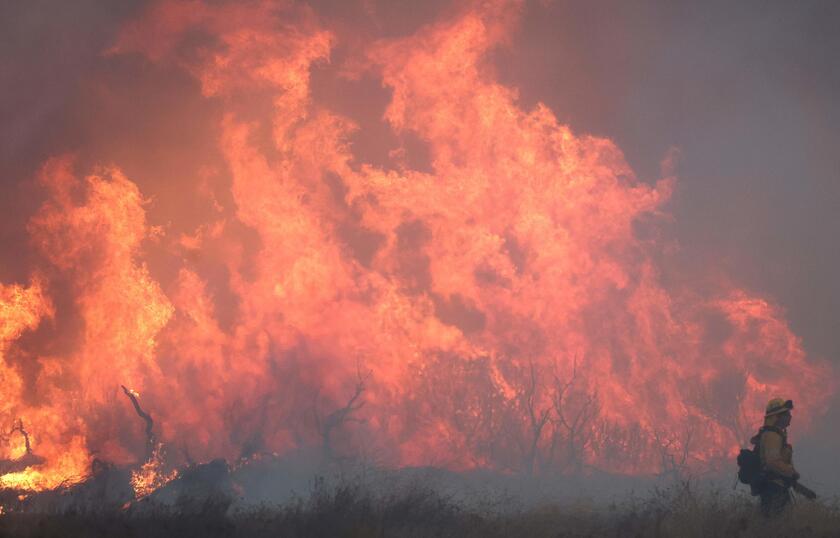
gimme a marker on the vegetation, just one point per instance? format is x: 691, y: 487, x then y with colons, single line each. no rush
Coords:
x: 348, y: 510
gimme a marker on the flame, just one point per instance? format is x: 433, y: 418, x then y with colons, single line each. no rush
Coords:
x: 498, y: 309
x: 63, y: 468
x: 151, y: 475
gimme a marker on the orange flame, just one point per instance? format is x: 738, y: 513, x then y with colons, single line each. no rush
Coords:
x: 151, y: 476
x: 507, y: 310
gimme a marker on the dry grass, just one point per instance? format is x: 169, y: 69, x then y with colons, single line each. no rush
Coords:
x: 349, y: 510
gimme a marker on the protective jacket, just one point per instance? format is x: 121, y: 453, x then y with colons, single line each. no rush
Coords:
x: 776, y: 455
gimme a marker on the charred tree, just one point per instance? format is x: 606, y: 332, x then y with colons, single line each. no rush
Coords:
x: 28, y: 459
x: 19, y: 428
x: 573, y: 419
x: 537, y: 418
x: 334, y: 421
x: 674, y: 452
x: 151, y: 441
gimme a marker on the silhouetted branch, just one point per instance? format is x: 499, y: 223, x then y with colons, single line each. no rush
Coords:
x: 577, y: 425
x: 19, y: 428
x: 537, y: 418
x: 341, y: 416
x: 147, y: 418
x: 674, y: 453
x: 27, y: 460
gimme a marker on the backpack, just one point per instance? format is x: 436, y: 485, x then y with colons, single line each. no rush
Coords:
x: 749, y: 469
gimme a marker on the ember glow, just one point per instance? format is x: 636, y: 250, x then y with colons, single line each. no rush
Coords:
x: 500, y: 307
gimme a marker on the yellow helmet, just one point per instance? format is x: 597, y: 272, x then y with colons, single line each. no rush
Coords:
x: 777, y: 406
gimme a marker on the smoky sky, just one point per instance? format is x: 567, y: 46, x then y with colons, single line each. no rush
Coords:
x: 745, y: 92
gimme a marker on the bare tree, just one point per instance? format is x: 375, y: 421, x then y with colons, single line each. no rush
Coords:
x: 28, y: 459
x: 151, y: 441
x: 341, y: 416
x: 462, y: 393
x: 621, y: 445
x: 537, y: 418
x: 19, y: 428
x: 674, y: 452
x: 573, y: 419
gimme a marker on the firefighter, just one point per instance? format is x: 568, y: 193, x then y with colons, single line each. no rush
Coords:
x: 776, y: 454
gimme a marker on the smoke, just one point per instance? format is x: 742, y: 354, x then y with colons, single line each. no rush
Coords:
x: 291, y: 227
x: 747, y: 92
